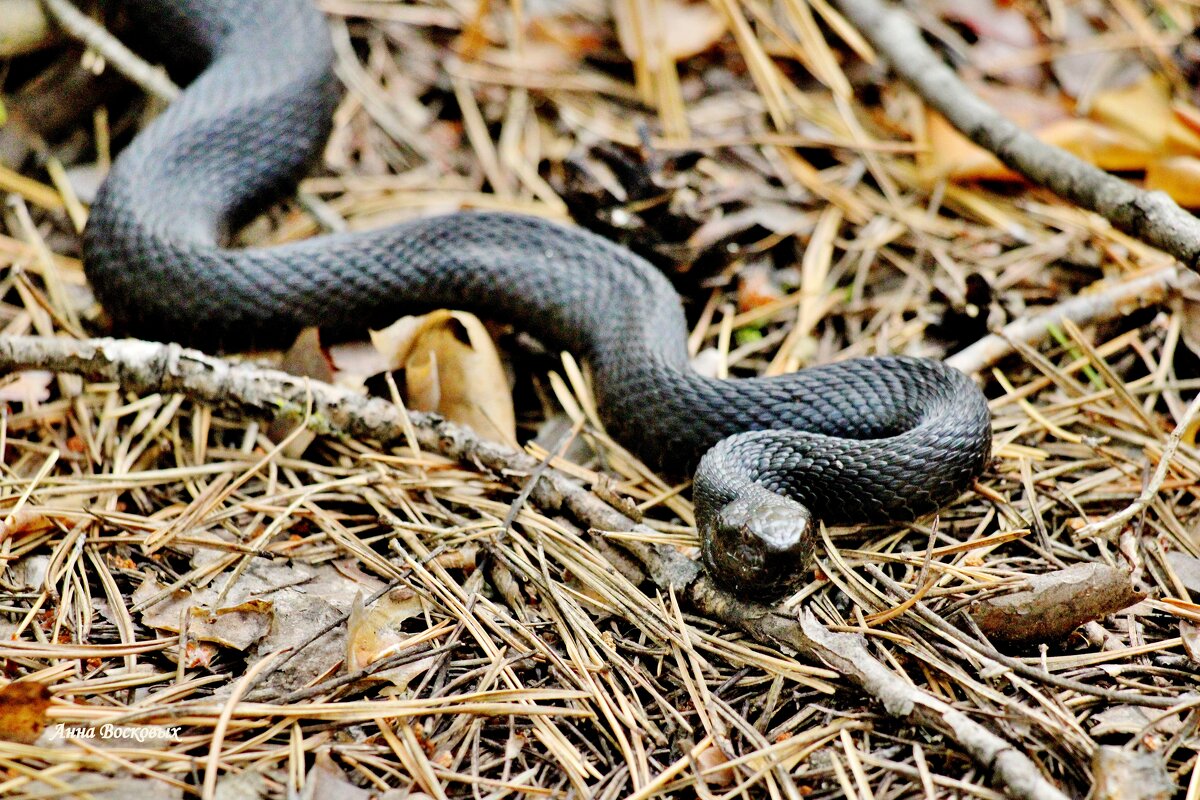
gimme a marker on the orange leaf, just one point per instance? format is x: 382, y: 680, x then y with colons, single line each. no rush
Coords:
x: 1178, y: 176
x: 23, y: 711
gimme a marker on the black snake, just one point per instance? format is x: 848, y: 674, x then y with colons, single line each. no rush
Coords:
x: 871, y: 439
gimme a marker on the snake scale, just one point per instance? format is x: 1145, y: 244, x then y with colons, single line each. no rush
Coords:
x: 870, y: 439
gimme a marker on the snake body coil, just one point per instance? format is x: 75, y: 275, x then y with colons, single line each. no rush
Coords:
x: 865, y: 440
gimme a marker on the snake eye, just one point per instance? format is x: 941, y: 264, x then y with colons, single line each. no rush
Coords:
x: 760, y: 544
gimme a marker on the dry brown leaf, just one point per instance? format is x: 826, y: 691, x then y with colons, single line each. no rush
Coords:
x: 452, y: 367
x: 237, y: 625
x: 1132, y: 720
x: 1120, y: 774
x: 23, y: 711
x: 1106, y: 147
x: 1178, y: 176
x: 38, y: 519
x: 686, y: 28
x: 1130, y: 129
x: 954, y: 156
x: 1145, y: 109
x: 327, y: 781
x: 376, y: 632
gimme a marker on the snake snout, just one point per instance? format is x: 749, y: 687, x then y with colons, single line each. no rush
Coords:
x: 759, y: 544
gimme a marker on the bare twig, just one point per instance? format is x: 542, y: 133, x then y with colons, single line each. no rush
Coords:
x: 124, y: 60
x: 1106, y: 302
x: 1152, y: 217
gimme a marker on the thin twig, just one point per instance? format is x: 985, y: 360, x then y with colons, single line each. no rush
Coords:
x: 1102, y: 303
x: 153, y: 79
x: 1150, y: 490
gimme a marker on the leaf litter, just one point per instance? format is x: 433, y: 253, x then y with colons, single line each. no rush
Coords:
x: 331, y: 617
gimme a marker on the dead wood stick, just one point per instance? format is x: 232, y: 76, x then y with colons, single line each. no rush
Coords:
x: 1105, y: 301
x: 1152, y: 217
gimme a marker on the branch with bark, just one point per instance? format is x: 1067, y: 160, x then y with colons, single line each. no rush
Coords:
x: 1152, y: 217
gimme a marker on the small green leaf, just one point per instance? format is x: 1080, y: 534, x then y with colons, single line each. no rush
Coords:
x: 744, y: 336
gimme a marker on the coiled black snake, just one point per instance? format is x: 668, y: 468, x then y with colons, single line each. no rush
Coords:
x: 866, y: 440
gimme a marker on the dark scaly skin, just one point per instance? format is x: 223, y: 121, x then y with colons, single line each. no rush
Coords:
x: 864, y: 440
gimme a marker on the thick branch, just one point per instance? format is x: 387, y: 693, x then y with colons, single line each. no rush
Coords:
x: 1152, y: 217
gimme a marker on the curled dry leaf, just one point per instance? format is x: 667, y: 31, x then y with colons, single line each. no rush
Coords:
x: 327, y: 781
x: 23, y: 711
x: 452, y: 367
x: 1055, y: 604
x: 714, y: 768
x: 38, y: 519
x: 683, y: 28
x: 237, y: 625
x: 1120, y: 774
x: 377, y: 632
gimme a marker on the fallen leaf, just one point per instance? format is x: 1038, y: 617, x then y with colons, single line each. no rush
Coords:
x: 1132, y: 720
x: 1120, y: 774
x: 1000, y: 33
x: 237, y: 625
x: 376, y: 632
x: 327, y: 781
x: 1186, y: 569
x: 249, y: 784
x: 1145, y: 109
x: 683, y: 28
x: 1077, y: 67
x: 954, y: 156
x: 23, y: 711
x: 1189, y: 632
x: 27, y: 386
x: 452, y: 367
x: 1099, y: 144
x: 1178, y: 176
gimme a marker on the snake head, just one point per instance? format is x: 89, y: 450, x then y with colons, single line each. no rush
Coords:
x: 758, y: 544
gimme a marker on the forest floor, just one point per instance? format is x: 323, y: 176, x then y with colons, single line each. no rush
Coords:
x: 256, y: 610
